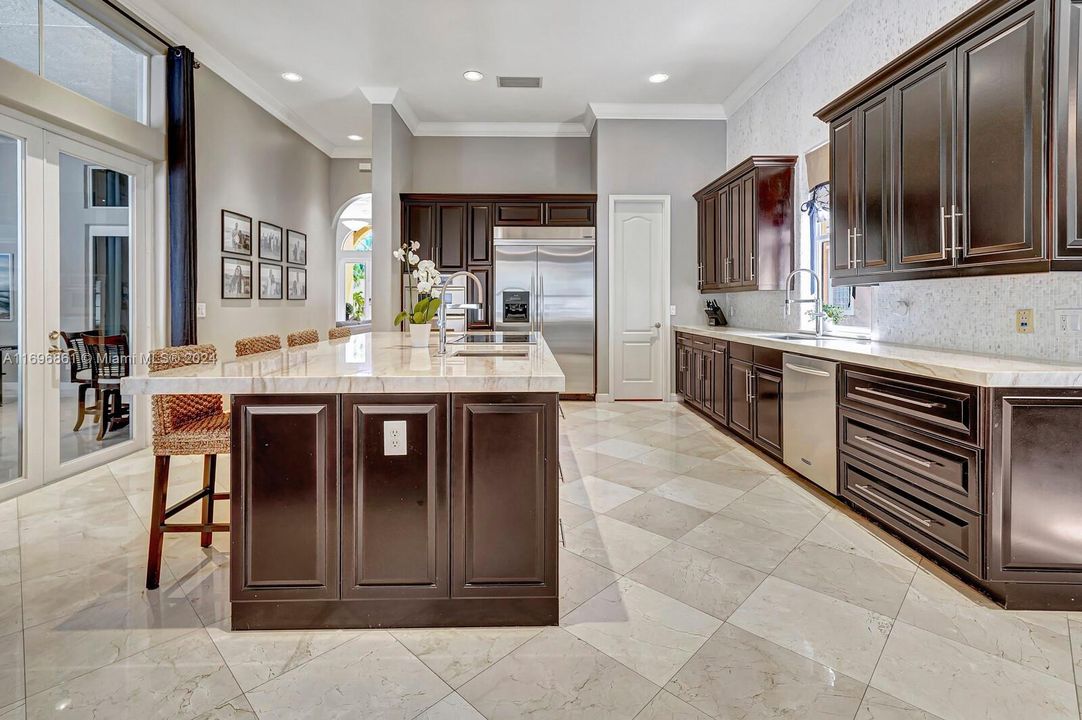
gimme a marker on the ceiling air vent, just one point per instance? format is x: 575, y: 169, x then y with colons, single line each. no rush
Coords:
x: 506, y: 81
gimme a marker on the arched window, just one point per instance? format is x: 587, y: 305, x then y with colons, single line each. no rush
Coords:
x: 354, y: 260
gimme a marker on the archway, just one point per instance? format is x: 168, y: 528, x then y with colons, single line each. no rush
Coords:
x: 353, y: 256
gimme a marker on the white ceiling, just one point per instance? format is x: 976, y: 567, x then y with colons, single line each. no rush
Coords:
x: 717, y: 53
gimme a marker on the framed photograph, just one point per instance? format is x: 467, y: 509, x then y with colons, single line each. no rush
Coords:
x: 236, y: 233
x: 270, y: 241
x: 236, y: 279
x: 298, y: 248
x: 296, y: 283
x: 270, y: 281
x: 7, y: 272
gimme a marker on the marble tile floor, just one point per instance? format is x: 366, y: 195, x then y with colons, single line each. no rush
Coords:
x: 697, y: 580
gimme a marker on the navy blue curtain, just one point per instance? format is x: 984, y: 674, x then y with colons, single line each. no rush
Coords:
x: 180, y: 143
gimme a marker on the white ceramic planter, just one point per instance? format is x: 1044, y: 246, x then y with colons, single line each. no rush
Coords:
x: 419, y: 334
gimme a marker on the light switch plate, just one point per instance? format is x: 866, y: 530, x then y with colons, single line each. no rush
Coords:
x: 1023, y: 321
x: 200, y: 310
x: 394, y: 437
x: 1069, y: 321
x: 672, y: 311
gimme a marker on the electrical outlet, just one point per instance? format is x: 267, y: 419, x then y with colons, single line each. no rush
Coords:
x: 1069, y: 321
x: 394, y: 437
x: 1023, y: 321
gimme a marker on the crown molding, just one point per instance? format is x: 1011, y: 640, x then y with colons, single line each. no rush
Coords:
x: 817, y: 20
x: 653, y: 111
x: 501, y: 129
x: 154, y: 14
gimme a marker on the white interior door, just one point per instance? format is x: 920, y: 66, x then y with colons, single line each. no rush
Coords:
x: 639, y: 295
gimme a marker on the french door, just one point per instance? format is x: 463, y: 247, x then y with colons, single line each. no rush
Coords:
x: 74, y: 254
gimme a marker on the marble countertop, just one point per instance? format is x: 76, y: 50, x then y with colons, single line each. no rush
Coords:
x: 380, y: 362
x: 969, y: 368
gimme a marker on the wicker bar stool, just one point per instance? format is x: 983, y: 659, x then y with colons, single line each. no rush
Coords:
x: 337, y: 333
x: 303, y: 337
x: 184, y: 425
x: 257, y: 344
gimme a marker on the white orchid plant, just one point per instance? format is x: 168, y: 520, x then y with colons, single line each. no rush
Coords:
x: 423, y: 276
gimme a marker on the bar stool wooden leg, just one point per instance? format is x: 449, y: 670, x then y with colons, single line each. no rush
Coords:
x: 157, y: 519
x: 210, y: 465
x: 82, y: 406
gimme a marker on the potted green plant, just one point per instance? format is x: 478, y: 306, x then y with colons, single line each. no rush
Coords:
x: 833, y: 312
x: 424, y: 277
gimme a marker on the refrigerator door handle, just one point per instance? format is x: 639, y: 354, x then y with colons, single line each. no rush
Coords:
x: 541, y: 303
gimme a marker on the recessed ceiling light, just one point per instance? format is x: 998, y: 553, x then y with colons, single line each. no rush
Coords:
x: 355, y: 138
x: 291, y: 77
x: 658, y: 78
x: 473, y: 75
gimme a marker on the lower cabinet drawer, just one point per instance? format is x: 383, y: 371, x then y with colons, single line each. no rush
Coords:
x: 953, y: 535
x: 943, y: 468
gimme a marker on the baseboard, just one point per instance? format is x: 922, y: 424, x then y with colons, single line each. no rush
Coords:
x: 603, y: 398
x: 673, y: 397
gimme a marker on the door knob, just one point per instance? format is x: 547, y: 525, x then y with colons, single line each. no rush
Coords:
x: 657, y: 325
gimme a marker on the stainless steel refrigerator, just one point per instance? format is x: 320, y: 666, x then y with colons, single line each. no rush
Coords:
x: 545, y: 282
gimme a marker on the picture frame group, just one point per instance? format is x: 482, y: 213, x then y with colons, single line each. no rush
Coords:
x: 274, y: 245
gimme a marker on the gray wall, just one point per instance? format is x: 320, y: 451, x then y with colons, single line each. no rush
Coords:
x: 655, y: 157
x: 392, y: 168
x: 347, y: 182
x: 501, y: 164
x: 249, y: 162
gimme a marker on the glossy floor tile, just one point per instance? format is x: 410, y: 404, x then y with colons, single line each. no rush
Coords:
x: 697, y: 581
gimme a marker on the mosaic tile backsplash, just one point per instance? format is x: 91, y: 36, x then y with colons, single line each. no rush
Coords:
x: 970, y: 314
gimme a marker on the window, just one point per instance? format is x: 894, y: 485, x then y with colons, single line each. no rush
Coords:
x: 856, y: 304
x: 51, y: 38
x: 354, y: 259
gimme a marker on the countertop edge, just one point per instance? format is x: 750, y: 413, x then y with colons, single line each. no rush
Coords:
x: 950, y: 367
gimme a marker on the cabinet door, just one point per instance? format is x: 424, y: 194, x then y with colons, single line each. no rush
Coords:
x: 721, y: 237
x: 681, y: 369
x: 741, y: 418
x: 1002, y: 75
x: 1067, y: 152
x: 719, y: 405
x: 734, y: 251
x: 571, y: 214
x: 749, y: 246
x: 394, y: 507
x: 284, y: 489
x: 504, y: 495
x: 766, y: 396
x: 1036, y: 488
x: 451, y: 232
x: 518, y: 213
x: 419, y: 225
x: 924, y: 148
x: 694, y: 384
x: 706, y: 380
x: 874, y: 229
x: 480, y: 319
x: 843, y: 163
x: 709, y: 264
x: 480, y: 228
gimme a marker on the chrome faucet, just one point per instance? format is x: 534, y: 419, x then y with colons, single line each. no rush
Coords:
x: 818, y: 313
x: 442, y: 293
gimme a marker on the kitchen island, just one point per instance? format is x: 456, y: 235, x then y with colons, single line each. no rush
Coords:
x: 378, y: 485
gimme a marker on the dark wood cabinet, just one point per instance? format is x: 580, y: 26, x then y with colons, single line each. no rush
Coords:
x: 975, y: 101
x: 480, y: 319
x: 745, y: 226
x: 741, y: 411
x: 480, y: 239
x: 284, y: 508
x: 766, y: 392
x: 570, y: 214
x: 452, y: 231
x: 719, y: 406
x: 395, y: 511
x: 419, y: 226
x: 925, y: 178
x: 519, y: 213
x: 1036, y: 486
x: 504, y: 496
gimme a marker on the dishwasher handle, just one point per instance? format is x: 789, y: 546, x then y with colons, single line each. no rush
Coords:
x: 807, y: 370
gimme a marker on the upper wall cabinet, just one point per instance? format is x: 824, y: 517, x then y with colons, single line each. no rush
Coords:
x: 745, y: 239
x: 940, y: 161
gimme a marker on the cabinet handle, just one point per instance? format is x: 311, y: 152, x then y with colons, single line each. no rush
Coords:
x: 865, y: 490
x: 752, y: 268
x: 807, y: 370
x: 700, y: 274
x: 899, y: 398
x: 943, y: 232
x: 955, y: 217
x: 751, y: 387
x: 892, y: 451
x: 856, y: 248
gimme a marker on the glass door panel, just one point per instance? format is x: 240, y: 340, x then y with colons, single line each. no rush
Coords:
x: 12, y: 194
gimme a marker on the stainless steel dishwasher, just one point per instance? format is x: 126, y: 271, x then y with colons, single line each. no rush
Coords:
x: 810, y: 419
